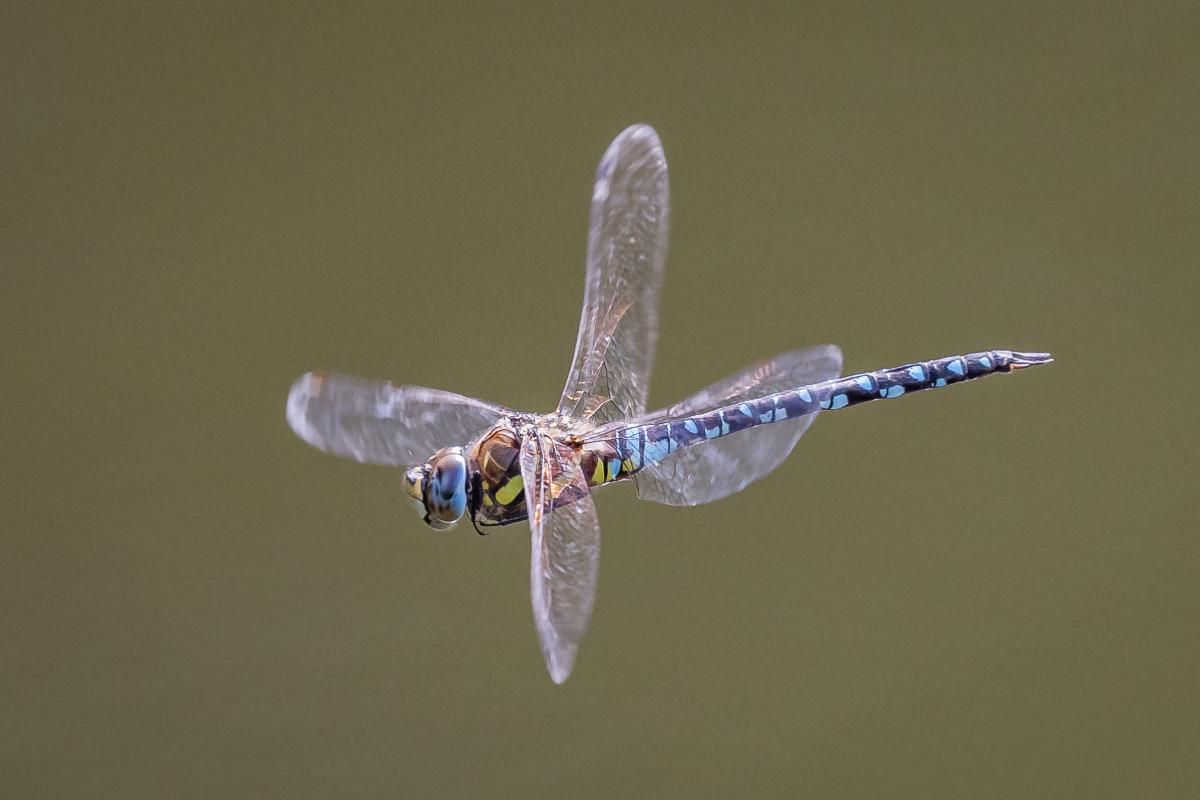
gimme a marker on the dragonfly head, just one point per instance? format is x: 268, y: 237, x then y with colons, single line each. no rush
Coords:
x: 440, y: 485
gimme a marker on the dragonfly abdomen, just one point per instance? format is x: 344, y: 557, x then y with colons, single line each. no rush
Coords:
x: 891, y: 383
x: 642, y: 445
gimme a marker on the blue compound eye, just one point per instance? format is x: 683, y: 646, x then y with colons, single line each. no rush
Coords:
x: 446, y: 487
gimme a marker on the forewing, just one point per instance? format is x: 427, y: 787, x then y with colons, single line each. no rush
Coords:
x: 713, y: 469
x: 378, y: 423
x: 565, y: 550
x: 627, y: 248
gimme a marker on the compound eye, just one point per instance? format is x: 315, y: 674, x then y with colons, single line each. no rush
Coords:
x: 446, y: 488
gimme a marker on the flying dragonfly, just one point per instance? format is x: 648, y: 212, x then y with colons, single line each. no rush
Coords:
x: 464, y: 457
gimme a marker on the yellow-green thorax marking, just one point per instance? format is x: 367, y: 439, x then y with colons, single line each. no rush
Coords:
x: 496, y: 455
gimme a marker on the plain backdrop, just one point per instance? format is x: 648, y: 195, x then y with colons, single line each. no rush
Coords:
x: 985, y: 592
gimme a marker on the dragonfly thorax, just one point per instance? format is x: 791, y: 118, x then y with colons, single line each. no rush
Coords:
x: 501, y: 489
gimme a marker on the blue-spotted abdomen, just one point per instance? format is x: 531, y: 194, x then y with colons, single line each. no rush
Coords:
x: 643, y: 445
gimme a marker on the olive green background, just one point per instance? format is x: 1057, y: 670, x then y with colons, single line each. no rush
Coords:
x: 990, y: 591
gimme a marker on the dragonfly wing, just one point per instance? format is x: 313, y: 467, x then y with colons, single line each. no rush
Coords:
x: 378, y: 423
x: 627, y: 248
x: 713, y: 469
x: 565, y: 550
x: 778, y: 374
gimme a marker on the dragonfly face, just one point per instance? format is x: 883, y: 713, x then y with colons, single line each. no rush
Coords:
x: 442, y: 487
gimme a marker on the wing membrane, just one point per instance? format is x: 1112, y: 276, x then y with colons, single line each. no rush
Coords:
x: 565, y: 550
x: 378, y: 423
x: 785, y: 371
x: 713, y: 469
x: 627, y: 247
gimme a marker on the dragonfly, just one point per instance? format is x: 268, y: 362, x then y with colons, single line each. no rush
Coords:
x: 496, y: 466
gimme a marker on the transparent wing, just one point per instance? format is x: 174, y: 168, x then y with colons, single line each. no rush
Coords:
x: 778, y: 374
x: 378, y: 423
x: 714, y: 469
x: 627, y: 248
x: 565, y: 550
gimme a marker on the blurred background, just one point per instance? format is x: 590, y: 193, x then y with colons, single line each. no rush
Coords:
x: 985, y: 592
